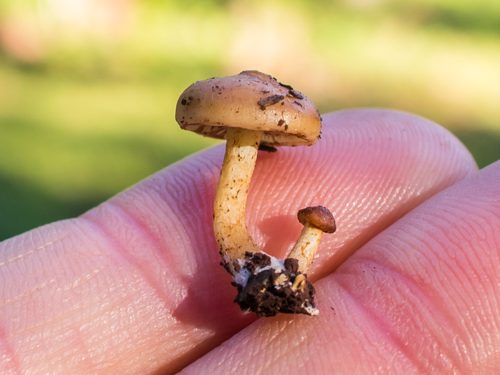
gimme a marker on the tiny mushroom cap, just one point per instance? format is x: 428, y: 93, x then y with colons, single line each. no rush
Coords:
x: 319, y: 217
x: 250, y: 100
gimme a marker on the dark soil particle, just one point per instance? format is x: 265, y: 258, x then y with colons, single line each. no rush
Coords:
x: 292, y: 92
x: 269, y: 291
x: 259, y: 259
x: 187, y: 101
x: 296, y: 94
x: 288, y: 87
x: 292, y: 265
x: 269, y: 100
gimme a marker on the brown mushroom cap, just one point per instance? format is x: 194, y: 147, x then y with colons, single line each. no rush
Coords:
x: 249, y: 100
x: 319, y: 217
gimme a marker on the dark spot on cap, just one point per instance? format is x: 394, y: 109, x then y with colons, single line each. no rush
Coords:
x: 288, y: 87
x: 269, y: 100
x: 187, y: 101
x: 296, y: 94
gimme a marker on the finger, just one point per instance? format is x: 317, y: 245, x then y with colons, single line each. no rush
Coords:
x: 421, y: 297
x: 371, y: 167
x: 134, y: 285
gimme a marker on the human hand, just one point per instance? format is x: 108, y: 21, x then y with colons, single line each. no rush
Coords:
x: 134, y: 286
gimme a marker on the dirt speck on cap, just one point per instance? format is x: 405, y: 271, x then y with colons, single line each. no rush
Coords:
x: 269, y: 100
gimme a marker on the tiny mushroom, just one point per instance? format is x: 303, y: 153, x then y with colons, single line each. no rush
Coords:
x: 316, y: 220
x: 253, y: 111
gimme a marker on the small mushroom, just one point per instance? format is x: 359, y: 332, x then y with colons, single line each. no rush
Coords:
x: 253, y: 110
x: 316, y: 220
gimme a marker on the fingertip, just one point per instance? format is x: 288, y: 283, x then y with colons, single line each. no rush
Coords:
x: 155, y: 240
x: 421, y: 297
x: 369, y: 168
x: 389, y: 125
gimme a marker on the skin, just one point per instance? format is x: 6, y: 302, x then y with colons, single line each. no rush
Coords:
x: 133, y: 286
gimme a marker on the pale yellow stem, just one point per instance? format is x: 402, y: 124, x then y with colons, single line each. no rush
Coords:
x: 230, y: 227
x: 306, y: 246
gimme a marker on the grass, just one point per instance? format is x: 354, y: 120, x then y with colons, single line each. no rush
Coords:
x: 92, y: 117
x: 66, y: 145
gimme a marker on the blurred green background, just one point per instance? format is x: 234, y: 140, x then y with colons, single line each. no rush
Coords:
x: 88, y: 87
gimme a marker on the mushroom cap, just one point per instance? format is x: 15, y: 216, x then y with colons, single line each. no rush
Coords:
x: 319, y: 217
x: 249, y: 100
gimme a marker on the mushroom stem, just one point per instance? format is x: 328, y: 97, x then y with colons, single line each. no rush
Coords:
x: 306, y: 246
x: 230, y: 227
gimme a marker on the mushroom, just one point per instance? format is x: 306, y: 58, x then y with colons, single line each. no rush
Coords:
x: 316, y: 220
x: 253, y: 111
